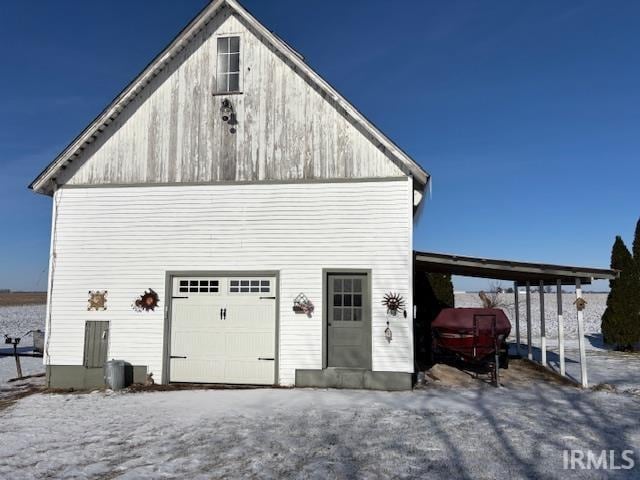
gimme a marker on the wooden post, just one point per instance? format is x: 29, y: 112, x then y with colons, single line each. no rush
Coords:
x: 543, y: 333
x: 560, y: 328
x: 583, y: 354
x: 529, y: 347
x: 517, y: 316
x: 18, y: 366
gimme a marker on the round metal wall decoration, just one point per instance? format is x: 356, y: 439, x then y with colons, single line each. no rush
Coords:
x: 147, y: 302
x: 393, y: 302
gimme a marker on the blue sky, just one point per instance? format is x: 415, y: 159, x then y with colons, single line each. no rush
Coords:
x: 525, y: 113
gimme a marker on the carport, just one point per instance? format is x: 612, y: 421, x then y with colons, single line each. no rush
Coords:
x: 525, y: 274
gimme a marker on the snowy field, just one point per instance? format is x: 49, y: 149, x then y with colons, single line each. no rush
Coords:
x: 304, y: 433
x: 16, y: 321
x: 596, y: 304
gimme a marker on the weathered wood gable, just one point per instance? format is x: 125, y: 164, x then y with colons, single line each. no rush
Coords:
x: 173, y: 132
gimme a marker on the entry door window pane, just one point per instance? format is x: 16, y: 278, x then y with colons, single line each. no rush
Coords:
x: 347, y: 299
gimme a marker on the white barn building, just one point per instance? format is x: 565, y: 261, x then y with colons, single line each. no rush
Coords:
x: 228, y: 179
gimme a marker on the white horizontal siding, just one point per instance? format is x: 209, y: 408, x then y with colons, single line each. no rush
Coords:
x: 125, y: 239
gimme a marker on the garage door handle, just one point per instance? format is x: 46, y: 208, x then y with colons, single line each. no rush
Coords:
x: 264, y: 358
x: 267, y: 298
x: 176, y: 356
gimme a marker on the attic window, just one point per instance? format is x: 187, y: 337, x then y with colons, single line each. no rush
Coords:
x: 228, y: 79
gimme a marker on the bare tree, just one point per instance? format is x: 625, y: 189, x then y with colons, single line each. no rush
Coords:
x: 495, y: 297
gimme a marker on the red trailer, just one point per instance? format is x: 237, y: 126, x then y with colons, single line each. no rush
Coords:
x: 476, y: 336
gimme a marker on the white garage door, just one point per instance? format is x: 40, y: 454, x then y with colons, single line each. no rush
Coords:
x: 223, y: 330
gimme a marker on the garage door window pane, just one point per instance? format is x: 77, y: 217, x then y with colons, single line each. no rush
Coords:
x: 199, y: 286
x: 337, y: 285
x: 249, y: 285
x: 357, y: 314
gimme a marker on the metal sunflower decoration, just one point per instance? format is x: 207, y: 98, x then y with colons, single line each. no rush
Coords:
x: 146, y: 302
x: 393, y: 302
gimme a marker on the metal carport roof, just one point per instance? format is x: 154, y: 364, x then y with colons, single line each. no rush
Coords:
x: 515, y: 271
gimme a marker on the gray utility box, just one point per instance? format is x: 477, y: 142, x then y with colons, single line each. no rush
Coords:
x: 114, y: 374
x: 38, y: 341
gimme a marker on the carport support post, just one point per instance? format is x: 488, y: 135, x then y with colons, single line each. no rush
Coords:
x: 517, y: 315
x: 560, y: 328
x: 583, y: 354
x: 543, y: 333
x: 529, y: 348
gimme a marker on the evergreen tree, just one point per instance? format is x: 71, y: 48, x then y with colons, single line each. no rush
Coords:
x: 432, y: 293
x: 621, y: 319
x: 636, y: 245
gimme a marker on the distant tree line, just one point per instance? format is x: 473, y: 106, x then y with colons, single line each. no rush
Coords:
x: 621, y: 319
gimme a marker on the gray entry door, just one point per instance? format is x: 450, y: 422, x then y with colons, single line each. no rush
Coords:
x: 96, y: 343
x: 348, y: 321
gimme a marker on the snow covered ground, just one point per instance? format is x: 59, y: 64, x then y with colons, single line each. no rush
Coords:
x: 620, y: 369
x: 278, y: 433
x: 596, y: 304
x: 16, y: 321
